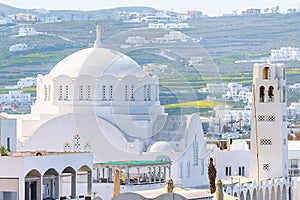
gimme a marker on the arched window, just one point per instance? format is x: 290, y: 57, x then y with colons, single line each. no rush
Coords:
x: 195, y: 152
x: 283, y: 94
x: 271, y: 94
x: 88, y: 92
x: 81, y: 92
x: 145, y: 92
x: 87, y: 147
x: 110, y: 92
x: 132, y: 93
x: 60, y: 93
x: 48, y: 92
x: 156, y: 92
x: 266, y: 73
x: 104, y: 92
x: 262, y: 94
x: 77, y: 143
x: 283, y: 73
x: 149, y: 92
x: 66, y: 92
x: 126, y: 93
x: 67, y: 147
x: 45, y: 93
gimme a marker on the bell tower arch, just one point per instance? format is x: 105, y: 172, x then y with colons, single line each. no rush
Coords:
x: 268, y: 157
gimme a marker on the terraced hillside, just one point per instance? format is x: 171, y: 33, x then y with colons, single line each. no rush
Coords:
x: 219, y: 42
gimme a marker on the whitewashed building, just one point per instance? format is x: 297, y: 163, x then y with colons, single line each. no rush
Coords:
x: 15, y: 96
x: 285, y: 54
x: 26, y: 82
x: 27, y: 31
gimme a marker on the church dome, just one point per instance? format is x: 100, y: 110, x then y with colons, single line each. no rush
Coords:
x: 160, y: 146
x: 96, y: 62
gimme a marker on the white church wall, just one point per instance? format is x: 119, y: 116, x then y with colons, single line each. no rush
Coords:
x: 231, y: 163
x: 8, y: 134
x: 190, y: 168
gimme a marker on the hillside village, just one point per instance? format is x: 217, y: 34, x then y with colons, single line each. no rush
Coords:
x: 184, y: 82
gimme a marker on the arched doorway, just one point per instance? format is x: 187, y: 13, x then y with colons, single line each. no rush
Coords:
x: 242, y: 196
x: 84, y: 176
x: 267, y: 194
x: 261, y: 193
x: 284, y: 194
x: 273, y: 193
x: 248, y: 195
x: 68, y: 182
x: 51, y: 184
x: 278, y: 195
x: 254, y: 195
x: 33, y: 188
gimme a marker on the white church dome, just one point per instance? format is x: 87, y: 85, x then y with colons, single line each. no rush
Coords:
x: 160, y: 146
x: 96, y: 62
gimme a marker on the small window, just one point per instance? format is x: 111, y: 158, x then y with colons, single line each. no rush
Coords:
x: 149, y: 92
x: 77, y: 143
x: 271, y: 94
x: 66, y: 92
x: 87, y: 147
x: 110, y: 92
x: 266, y: 141
x: 81, y: 95
x: 8, y: 144
x: 88, y: 92
x: 67, y: 147
x: 202, y: 166
x: 45, y: 93
x: 145, y: 92
x: 181, y: 170
x: 241, y: 171
x: 49, y: 91
x: 227, y: 171
x: 60, y: 95
x: 132, y: 93
x: 266, y: 73
x: 266, y: 166
x: 126, y: 93
x: 262, y: 94
x: 283, y: 95
x: 104, y: 92
x: 294, y: 163
x: 188, y: 165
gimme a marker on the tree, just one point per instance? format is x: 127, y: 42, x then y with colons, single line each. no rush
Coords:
x: 3, y: 151
x: 212, y: 174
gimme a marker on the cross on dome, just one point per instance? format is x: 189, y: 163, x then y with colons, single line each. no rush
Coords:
x: 97, y: 42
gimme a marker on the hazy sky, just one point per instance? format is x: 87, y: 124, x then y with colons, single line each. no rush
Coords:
x: 211, y: 7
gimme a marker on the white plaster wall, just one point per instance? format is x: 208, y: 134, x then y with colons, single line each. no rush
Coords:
x: 8, y: 129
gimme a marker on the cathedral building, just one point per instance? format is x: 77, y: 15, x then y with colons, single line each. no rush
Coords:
x: 99, y: 100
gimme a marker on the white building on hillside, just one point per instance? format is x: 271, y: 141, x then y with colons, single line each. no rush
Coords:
x: 15, y: 96
x: 26, y: 82
x: 285, y: 54
x: 27, y: 31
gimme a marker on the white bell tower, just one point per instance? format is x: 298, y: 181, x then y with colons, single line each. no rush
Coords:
x: 269, y: 150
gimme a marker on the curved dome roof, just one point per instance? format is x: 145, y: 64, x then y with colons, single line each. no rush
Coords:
x: 160, y: 146
x: 96, y: 62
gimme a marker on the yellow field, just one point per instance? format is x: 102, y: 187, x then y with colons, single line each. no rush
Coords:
x: 194, y: 104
